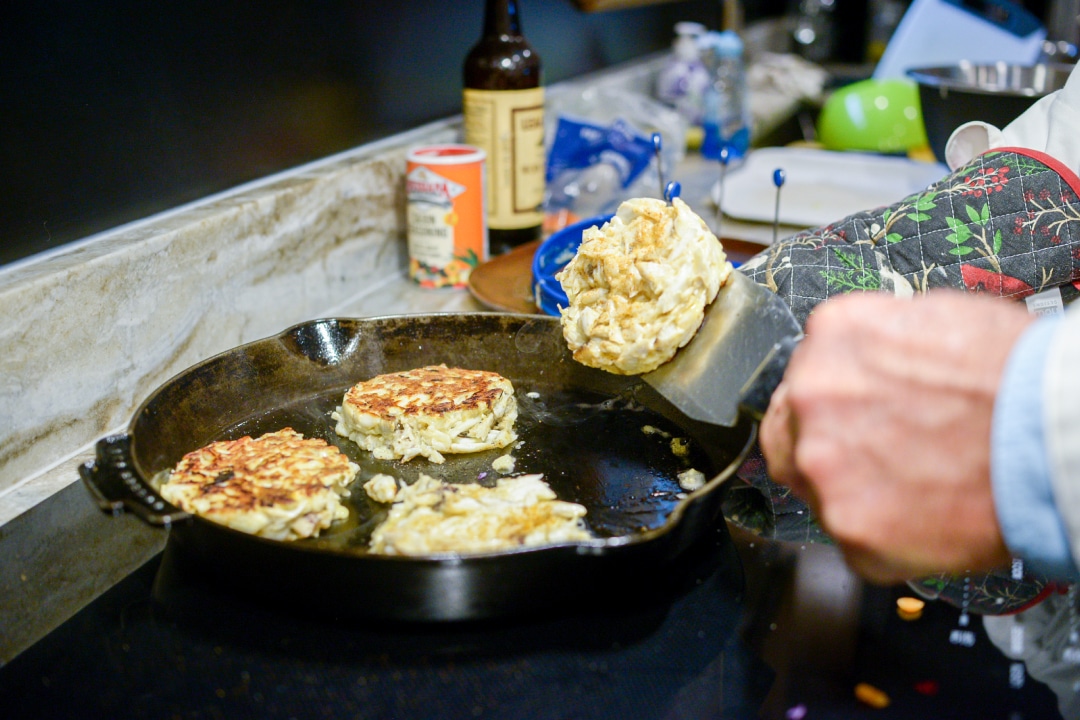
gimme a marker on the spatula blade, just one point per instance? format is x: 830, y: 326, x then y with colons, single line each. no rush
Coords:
x: 741, y: 328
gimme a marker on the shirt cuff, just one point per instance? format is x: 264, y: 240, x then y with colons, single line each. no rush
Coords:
x: 1019, y: 467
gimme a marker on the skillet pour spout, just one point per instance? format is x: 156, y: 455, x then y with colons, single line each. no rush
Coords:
x: 601, y: 440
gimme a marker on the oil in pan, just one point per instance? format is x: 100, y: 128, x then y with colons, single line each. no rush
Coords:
x: 613, y: 455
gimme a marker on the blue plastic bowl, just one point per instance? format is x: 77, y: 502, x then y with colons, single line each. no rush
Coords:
x: 551, y: 257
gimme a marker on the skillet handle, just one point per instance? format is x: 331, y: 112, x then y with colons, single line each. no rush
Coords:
x: 116, y: 485
x: 755, y: 395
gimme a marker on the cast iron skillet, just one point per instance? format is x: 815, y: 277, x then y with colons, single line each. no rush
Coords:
x: 584, y: 428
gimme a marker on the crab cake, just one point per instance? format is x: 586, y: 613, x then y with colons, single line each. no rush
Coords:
x: 638, y: 287
x: 429, y: 411
x: 431, y: 516
x: 281, y: 485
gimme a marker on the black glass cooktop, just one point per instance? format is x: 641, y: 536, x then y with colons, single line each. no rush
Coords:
x: 745, y: 628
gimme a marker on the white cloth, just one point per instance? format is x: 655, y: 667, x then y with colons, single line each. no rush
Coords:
x: 1061, y: 398
x: 1051, y: 125
x: 1039, y: 637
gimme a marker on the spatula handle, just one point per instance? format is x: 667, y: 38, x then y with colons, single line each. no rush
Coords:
x: 755, y: 395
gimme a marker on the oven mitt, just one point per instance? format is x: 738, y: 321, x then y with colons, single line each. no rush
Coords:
x: 1007, y: 223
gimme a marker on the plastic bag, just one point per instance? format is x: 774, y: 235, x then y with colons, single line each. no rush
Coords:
x: 600, y: 151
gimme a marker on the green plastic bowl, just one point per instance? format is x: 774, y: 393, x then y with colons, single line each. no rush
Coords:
x: 873, y: 115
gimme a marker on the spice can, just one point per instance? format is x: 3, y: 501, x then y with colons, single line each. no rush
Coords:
x: 445, y: 187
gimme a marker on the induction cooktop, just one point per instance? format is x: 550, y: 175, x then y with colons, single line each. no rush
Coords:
x: 747, y: 627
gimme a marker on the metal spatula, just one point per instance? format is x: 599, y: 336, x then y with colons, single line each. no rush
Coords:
x: 738, y: 355
x: 735, y: 360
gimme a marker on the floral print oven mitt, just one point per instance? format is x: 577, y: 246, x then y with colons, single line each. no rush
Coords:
x: 1007, y: 223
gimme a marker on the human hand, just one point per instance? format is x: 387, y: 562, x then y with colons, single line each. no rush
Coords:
x: 882, y: 425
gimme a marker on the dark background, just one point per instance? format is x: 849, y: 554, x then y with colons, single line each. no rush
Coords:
x: 113, y: 110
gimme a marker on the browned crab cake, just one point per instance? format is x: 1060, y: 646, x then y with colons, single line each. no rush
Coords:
x: 429, y: 411
x: 281, y: 485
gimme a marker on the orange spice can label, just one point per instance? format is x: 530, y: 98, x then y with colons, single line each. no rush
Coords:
x: 447, y: 229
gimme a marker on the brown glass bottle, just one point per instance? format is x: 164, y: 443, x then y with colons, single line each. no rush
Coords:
x: 504, y: 115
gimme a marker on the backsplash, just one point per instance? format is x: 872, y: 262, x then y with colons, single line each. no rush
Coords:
x: 91, y: 330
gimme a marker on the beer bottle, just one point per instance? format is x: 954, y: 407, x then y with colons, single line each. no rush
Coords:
x: 504, y: 115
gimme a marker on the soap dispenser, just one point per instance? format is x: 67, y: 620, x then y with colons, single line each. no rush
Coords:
x: 682, y: 81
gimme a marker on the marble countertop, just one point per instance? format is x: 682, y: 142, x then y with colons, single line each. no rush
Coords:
x: 396, y: 296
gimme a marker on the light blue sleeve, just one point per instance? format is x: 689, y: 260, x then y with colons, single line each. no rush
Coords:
x: 1019, y: 468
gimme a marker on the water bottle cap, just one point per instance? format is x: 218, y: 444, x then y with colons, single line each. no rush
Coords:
x: 723, y: 44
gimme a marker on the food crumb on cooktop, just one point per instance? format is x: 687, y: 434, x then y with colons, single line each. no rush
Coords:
x: 927, y: 687
x: 909, y: 608
x: 872, y: 696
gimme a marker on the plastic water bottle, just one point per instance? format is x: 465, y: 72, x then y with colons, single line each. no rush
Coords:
x: 726, y: 120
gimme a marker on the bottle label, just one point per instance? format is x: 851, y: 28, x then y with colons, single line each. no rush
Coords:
x: 444, y: 185
x: 509, y: 126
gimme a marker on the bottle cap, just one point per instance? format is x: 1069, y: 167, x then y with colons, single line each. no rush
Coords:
x: 686, y: 42
x: 723, y: 44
